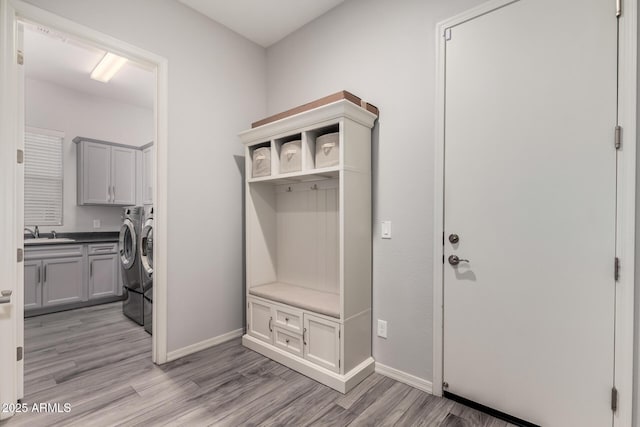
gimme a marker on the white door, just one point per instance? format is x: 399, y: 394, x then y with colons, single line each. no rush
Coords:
x: 123, y: 175
x: 530, y: 169
x: 11, y: 215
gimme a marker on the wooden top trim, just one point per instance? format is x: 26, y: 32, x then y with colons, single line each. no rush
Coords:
x: 318, y: 103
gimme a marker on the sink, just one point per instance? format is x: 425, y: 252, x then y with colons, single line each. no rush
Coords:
x: 46, y: 240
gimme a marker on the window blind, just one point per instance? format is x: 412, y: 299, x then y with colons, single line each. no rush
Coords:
x: 43, y: 177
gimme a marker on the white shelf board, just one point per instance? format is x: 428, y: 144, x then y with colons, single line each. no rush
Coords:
x: 300, y: 176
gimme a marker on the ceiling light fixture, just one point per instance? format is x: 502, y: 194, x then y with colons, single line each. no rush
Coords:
x: 108, y: 66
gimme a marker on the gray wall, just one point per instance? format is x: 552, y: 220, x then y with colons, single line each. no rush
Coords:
x: 51, y: 106
x: 216, y: 89
x: 383, y: 51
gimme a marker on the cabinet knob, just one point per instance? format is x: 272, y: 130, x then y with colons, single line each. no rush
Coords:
x: 286, y: 319
x: 287, y: 340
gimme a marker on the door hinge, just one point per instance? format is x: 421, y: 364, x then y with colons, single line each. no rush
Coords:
x: 20, y: 57
x: 614, y: 399
x: 618, y: 8
x: 443, y: 238
x: 447, y: 34
x: 616, y: 269
x: 618, y: 137
x: 338, y: 363
x: 442, y: 258
x: 20, y: 254
x: 19, y: 352
x: 339, y: 334
x: 20, y: 156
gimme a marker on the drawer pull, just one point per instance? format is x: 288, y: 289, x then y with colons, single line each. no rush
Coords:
x: 270, y: 320
x: 304, y: 340
x: 287, y: 340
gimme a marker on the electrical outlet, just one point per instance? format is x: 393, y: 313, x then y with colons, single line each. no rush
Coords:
x: 382, y: 328
x: 386, y: 229
x: 96, y: 223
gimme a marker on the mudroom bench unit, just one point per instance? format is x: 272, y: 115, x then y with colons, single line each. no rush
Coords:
x: 308, y: 242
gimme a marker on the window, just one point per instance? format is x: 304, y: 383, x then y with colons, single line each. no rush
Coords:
x: 43, y: 177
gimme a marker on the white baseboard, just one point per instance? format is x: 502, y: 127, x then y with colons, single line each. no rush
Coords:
x: 202, y: 345
x: 403, y: 377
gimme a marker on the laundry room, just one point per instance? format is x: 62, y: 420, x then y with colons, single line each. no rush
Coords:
x: 89, y: 147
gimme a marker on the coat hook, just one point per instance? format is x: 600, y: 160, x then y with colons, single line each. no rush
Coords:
x: 289, y: 190
x: 314, y: 187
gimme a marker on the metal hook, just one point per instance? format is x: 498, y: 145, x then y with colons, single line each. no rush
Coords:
x: 289, y: 190
x: 314, y: 187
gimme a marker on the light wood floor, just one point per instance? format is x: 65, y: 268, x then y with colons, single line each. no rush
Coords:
x: 100, y: 362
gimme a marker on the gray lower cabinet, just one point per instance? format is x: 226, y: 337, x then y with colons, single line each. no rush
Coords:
x: 62, y: 281
x: 70, y: 275
x: 103, y: 280
x: 32, y: 284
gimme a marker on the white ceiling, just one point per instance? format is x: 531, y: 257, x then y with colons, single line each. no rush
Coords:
x: 55, y: 58
x: 263, y: 21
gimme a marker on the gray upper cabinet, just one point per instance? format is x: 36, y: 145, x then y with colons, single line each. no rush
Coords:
x: 147, y: 175
x: 106, y: 173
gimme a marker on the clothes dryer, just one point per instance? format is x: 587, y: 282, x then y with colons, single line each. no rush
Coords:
x: 146, y: 263
x: 130, y: 266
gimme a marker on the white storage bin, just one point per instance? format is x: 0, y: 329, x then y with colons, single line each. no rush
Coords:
x: 261, y: 162
x: 327, y: 150
x: 291, y: 156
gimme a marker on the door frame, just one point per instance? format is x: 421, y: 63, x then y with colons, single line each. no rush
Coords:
x: 626, y: 202
x: 11, y: 12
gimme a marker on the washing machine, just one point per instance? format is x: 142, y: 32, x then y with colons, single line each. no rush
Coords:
x: 145, y: 247
x: 130, y: 266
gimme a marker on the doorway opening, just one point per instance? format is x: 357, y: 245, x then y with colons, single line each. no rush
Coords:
x: 15, y: 14
x: 88, y: 190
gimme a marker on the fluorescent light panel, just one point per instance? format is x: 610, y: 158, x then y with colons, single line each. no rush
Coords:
x: 108, y: 66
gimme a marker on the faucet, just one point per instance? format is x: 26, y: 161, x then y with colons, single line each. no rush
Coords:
x: 53, y: 234
x: 35, y: 232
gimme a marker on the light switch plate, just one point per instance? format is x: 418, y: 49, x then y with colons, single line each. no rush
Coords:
x: 96, y: 223
x: 386, y: 229
x: 382, y: 328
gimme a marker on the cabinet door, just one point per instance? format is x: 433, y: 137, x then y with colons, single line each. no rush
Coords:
x: 32, y: 284
x: 103, y: 281
x: 123, y: 175
x: 322, y: 342
x: 260, y: 320
x: 147, y: 176
x: 62, y: 281
x: 96, y: 174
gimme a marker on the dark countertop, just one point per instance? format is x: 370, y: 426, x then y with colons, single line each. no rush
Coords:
x: 78, y: 238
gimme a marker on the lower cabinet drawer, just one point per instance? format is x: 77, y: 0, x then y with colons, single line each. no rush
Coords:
x: 288, y: 319
x: 288, y: 341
